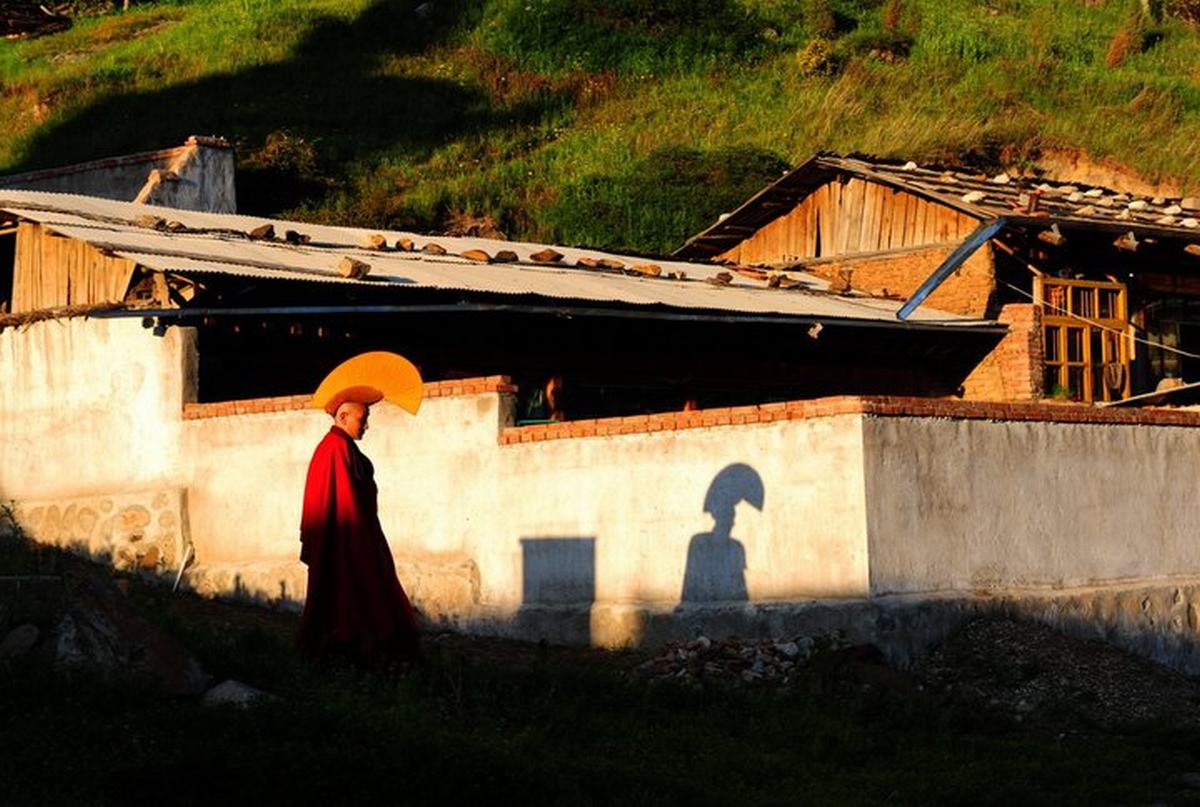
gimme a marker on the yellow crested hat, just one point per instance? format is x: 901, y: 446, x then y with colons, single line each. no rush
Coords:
x: 368, y: 378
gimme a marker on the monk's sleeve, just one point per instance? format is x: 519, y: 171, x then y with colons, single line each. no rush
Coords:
x: 330, y: 506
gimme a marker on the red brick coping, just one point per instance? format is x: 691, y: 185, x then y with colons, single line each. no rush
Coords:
x: 880, y: 406
x: 289, y: 403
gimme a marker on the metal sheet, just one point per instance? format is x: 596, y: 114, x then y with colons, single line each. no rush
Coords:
x: 215, y: 243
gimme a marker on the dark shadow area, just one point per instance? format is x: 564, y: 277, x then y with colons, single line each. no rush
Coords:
x: 333, y: 93
x: 716, y: 561
x: 607, y: 365
x: 558, y: 587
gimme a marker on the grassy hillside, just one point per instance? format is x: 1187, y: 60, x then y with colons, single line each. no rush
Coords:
x: 621, y: 123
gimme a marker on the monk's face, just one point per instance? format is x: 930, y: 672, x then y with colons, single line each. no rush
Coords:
x: 352, y: 419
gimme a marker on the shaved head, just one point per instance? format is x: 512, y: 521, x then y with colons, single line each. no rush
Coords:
x: 351, y: 417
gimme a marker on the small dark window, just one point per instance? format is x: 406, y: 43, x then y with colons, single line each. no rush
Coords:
x: 8, y: 255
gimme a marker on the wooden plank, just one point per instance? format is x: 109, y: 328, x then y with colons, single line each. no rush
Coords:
x: 930, y: 229
x: 788, y: 239
x: 821, y: 214
x: 900, y: 220
x: 810, y: 228
x: 858, y: 225
x: 866, y: 219
x: 910, y: 213
x: 931, y: 218
x: 886, y: 215
x: 833, y: 220
x: 916, y: 223
x: 945, y: 224
x: 849, y: 216
x: 886, y: 198
x: 868, y: 235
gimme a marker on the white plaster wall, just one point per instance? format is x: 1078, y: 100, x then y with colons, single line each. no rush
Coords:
x: 448, y: 488
x: 204, y: 181
x: 89, y: 407
x: 436, y: 476
x: 972, y: 504
x: 641, y: 498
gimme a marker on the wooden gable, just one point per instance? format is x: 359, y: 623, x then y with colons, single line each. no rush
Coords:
x: 849, y: 216
x: 52, y: 271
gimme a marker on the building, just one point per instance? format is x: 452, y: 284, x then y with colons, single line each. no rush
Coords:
x: 1095, y: 284
x: 272, y: 312
x: 760, y: 451
x: 199, y: 175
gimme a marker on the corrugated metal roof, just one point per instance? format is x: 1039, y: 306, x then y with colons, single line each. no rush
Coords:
x: 978, y: 195
x: 218, y: 243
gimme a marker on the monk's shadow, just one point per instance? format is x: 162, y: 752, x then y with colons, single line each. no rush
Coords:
x: 716, y: 561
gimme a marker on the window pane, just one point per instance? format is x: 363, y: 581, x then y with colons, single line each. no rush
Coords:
x: 1074, y: 344
x: 1075, y: 383
x: 1050, y: 343
x: 1098, y: 386
x: 1051, y: 385
x: 1056, y: 298
x: 1081, y: 302
x: 1109, y: 304
x: 1112, y: 347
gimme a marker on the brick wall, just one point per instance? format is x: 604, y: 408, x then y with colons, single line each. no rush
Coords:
x: 1013, y: 371
x: 877, y: 405
x: 287, y: 403
x: 968, y: 291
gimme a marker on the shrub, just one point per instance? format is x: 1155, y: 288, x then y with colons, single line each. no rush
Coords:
x: 817, y: 58
x: 1129, y: 40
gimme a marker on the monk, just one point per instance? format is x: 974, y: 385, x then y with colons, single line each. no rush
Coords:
x: 355, y: 603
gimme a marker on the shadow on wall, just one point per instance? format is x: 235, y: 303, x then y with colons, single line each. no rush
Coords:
x: 716, y: 561
x: 558, y: 587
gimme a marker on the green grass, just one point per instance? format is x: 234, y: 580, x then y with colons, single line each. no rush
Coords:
x: 492, y: 722
x: 628, y: 124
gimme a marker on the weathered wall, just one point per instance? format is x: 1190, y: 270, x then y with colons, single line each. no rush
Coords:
x: 90, y: 407
x: 1013, y: 371
x: 968, y: 291
x: 883, y: 517
x: 198, y: 175
x: 549, y: 525
x: 967, y: 505
x: 507, y: 536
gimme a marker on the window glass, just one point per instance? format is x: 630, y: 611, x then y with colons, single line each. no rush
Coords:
x: 1050, y: 344
x: 1075, y: 344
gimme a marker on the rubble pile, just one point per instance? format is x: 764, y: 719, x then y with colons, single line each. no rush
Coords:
x: 26, y: 19
x: 733, y: 661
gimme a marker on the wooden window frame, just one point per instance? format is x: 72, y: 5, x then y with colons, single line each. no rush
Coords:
x: 1061, y: 321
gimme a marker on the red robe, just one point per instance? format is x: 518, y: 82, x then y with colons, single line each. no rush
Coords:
x: 355, y: 602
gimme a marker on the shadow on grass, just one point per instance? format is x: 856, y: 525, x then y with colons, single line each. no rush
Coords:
x: 334, y: 92
x: 488, y: 721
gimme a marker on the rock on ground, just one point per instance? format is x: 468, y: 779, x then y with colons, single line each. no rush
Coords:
x: 18, y: 642
x: 100, y: 634
x: 235, y: 693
